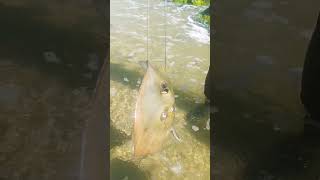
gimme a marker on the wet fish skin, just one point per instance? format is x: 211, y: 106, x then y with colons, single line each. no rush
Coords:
x: 154, y: 115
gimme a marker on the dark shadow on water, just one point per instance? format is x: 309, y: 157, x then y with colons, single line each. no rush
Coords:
x: 292, y: 158
x: 26, y: 33
x: 25, y: 36
x: 118, y: 73
x: 197, y: 113
x: 266, y: 153
x: 122, y: 169
x: 199, y: 116
x: 118, y: 137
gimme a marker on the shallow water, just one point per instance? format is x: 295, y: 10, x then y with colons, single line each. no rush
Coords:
x: 188, y: 56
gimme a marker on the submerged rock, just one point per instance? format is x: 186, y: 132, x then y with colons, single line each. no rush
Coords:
x: 139, y: 81
x: 126, y: 79
x: 195, y: 128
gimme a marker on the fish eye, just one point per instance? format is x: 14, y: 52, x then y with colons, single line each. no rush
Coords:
x: 164, y: 88
x: 163, y: 116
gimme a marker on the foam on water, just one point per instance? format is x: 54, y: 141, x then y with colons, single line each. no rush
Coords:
x: 197, y: 32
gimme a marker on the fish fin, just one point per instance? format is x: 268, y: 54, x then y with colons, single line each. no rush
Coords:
x: 174, y: 133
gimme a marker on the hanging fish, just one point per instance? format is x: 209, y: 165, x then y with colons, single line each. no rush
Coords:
x: 154, y: 114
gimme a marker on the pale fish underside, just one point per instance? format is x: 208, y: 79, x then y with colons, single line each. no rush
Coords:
x: 154, y: 114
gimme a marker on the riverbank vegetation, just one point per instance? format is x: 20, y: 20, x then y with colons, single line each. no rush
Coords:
x: 193, y: 2
x: 204, y: 16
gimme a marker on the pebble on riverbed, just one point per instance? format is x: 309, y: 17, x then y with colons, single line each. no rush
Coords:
x: 176, y: 168
x: 126, y: 79
x: 195, y: 128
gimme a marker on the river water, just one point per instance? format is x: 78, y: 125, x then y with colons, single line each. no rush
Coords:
x: 188, y: 45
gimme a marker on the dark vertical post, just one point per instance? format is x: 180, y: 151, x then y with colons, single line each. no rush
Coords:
x: 310, y: 86
x: 96, y: 137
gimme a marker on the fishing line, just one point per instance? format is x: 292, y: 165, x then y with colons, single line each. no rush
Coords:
x: 148, y: 32
x: 165, y: 34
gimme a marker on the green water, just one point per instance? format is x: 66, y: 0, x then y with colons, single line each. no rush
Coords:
x: 187, y: 64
